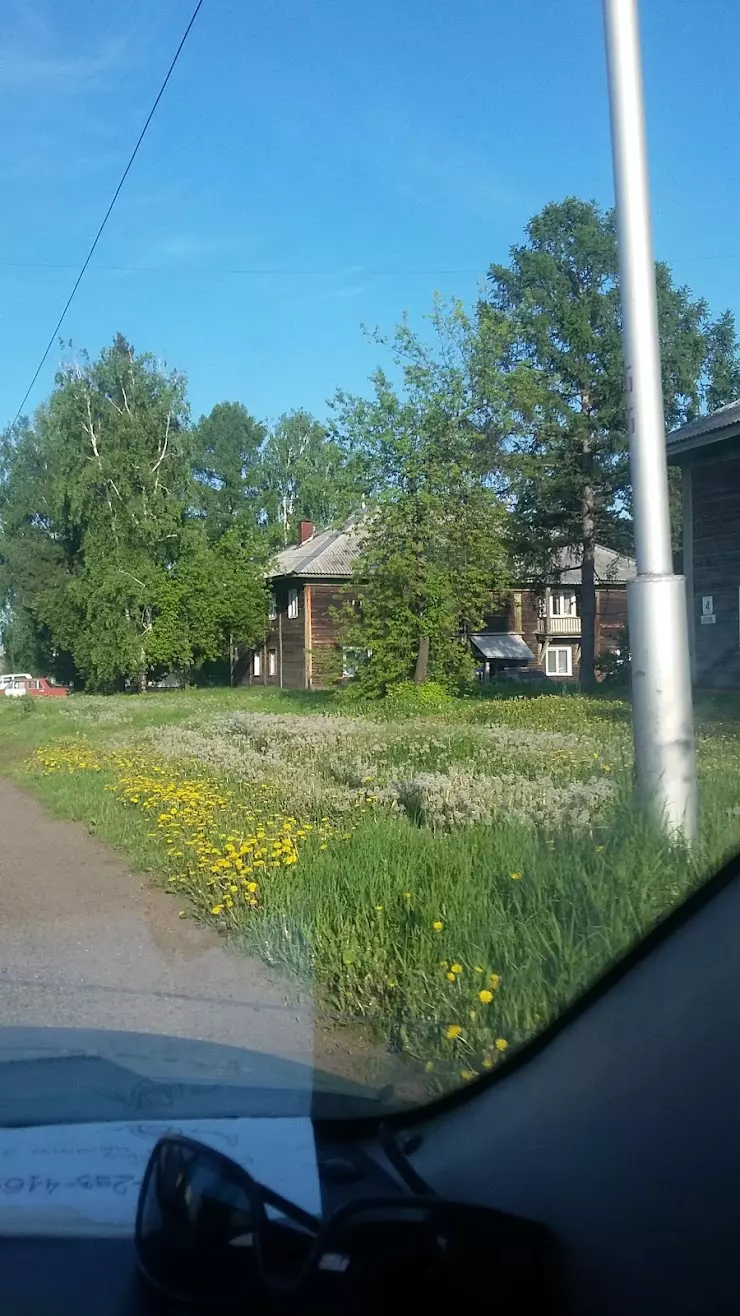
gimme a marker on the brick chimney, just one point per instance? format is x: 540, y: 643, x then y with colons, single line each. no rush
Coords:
x: 305, y: 530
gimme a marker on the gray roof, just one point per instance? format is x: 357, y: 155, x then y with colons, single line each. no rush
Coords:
x: 493, y: 645
x: 720, y: 424
x: 330, y: 553
x: 611, y: 568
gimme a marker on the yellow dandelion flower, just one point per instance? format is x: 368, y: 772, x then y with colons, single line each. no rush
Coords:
x: 487, y: 1062
x: 217, y: 909
x: 467, y: 1074
x: 495, y: 981
x: 438, y: 925
x: 478, y: 968
x: 451, y: 977
x: 501, y: 1044
x: 452, y: 1031
x: 516, y: 877
x: 456, y: 968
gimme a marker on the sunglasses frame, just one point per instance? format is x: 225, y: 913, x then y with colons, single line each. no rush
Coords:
x: 260, y: 1196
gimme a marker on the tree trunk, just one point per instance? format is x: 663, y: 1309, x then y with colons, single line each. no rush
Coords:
x: 422, y: 660
x: 144, y: 668
x: 588, y: 594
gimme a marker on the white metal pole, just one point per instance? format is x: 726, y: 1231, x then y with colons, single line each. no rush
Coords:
x: 661, y: 681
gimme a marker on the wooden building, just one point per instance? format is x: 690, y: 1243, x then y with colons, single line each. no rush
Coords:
x: 539, y: 629
x: 708, y: 452
x: 309, y: 580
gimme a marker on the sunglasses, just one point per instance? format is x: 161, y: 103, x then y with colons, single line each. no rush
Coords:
x: 210, y: 1236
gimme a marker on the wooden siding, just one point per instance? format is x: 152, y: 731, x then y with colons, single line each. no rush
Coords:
x: 326, y: 653
x: 307, y: 655
x: 286, y: 635
x: 715, y: 570
x: 294, y: 662
x: 611, y: 616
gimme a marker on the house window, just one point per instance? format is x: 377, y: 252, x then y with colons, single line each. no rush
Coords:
x: 562, y: 604
x: 292, y: 603
x: 272, y: 608
x: 256, y: 664
x: 559, y: 662
x: 272, y: 662
x: 351, y: 659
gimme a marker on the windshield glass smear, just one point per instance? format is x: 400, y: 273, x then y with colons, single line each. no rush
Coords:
x: 319, y: 648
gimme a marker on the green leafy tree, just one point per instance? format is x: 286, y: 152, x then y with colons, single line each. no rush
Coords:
x: 557, y: 307
x: 305, y: 475
x: 227, y: 445
x: 108, y: 566
x: 94, y: 494
x: 432, y: 544
x: 39, y: 550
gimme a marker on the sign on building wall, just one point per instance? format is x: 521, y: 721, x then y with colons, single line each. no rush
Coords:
x: 708, y: 617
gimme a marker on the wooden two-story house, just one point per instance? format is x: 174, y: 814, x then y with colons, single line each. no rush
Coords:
x: 309, y: 582
x: 708, y: 453
x: 540, y: 626
x: 531, y: 627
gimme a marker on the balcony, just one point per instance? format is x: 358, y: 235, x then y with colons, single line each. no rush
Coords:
x: 559, y: 625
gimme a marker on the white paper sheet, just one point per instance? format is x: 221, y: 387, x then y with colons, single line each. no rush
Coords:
x: 85, y: 1178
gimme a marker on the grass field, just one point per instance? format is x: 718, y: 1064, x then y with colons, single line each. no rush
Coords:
x: 455, y: 877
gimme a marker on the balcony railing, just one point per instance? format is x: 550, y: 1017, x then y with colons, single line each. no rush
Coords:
x: 560, y: 625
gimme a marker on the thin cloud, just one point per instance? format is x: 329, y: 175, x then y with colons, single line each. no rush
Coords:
x: 343, y: 294
x: 181, y: 248
x: 428, y: 161
x: 25, y: 70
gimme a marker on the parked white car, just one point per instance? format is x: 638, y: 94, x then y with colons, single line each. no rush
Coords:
x: 9, y: 679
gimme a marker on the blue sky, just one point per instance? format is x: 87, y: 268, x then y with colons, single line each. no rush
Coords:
x: 353, y: 156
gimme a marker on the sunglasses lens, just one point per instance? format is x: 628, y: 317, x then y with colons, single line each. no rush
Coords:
x: 197, y: 1226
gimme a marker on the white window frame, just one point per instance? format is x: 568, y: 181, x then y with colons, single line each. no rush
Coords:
x: 272, y: 609
x: 560, y: 597
x: 256, y: 664
x: 272, y: 662
x: 556, y: 649
x: 292, y: 604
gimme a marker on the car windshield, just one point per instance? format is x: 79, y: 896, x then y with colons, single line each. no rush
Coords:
x: 351, y: 720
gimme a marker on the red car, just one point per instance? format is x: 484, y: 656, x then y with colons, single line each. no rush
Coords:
x: 37, y: 685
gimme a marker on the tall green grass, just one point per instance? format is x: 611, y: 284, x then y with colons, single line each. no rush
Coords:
x: 543, y: 911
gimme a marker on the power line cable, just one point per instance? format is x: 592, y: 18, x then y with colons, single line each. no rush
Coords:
x: 256, y: 270
x: 107, y: 214
x: 218, y: 270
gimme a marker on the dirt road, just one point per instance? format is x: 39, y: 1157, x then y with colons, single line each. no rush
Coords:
x: 86, y: 943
